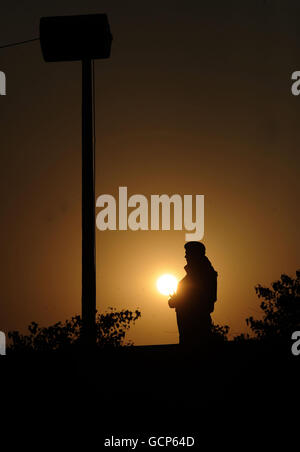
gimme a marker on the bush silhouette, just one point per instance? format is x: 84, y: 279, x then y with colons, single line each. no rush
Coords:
x: 281, y: 310
x: 111, y: 328
x: 219, y: 332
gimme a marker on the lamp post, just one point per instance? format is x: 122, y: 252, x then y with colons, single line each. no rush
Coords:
x: 85, y: 38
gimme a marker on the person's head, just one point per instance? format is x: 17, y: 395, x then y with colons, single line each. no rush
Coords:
x: 194, y: 251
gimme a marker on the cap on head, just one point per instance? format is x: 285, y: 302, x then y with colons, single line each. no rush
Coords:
x: 195, y: 248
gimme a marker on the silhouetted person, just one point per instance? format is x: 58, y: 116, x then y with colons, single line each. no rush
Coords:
x: 195, y: 297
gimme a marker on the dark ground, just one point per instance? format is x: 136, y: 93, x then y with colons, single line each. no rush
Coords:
x: 235, y: 395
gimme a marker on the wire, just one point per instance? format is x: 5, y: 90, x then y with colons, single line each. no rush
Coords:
x: 19, y: 43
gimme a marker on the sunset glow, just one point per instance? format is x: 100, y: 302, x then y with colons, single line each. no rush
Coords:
x: 167, y: 284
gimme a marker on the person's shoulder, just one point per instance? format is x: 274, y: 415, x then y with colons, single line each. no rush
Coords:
x: 182, y: 281
x: 207, y: 263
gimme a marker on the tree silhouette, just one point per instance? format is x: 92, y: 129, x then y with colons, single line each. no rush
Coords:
x: 219, y: 332
x: 281, y: 310
x: 111, y: 328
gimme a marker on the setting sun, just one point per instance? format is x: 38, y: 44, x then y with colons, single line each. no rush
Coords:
x: 167, y: 284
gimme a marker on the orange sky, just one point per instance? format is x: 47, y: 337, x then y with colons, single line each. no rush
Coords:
x: 194, y: 100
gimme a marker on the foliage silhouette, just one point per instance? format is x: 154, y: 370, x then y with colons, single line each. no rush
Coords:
x: 281, y: 310
x: 220, y: 332
x: 111, y: 328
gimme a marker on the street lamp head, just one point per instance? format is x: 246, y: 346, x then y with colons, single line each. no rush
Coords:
x: 73, y: 38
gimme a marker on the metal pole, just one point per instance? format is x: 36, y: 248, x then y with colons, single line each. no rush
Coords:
x: 88, y: 210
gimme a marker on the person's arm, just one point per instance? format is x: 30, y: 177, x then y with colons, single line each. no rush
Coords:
x: 172, y: 301
x: 176, y: 299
